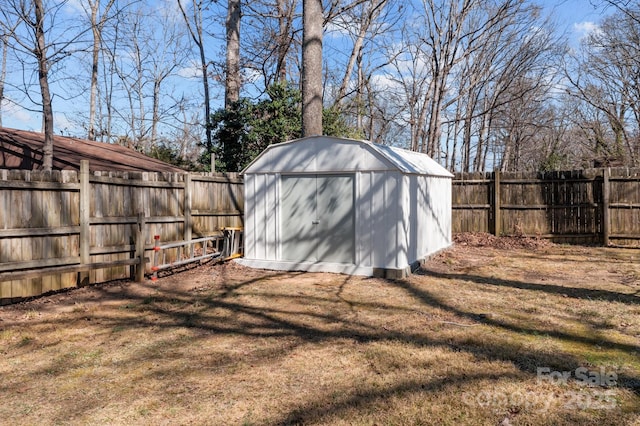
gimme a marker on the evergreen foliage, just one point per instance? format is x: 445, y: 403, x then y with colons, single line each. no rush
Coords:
x: 242, y: 131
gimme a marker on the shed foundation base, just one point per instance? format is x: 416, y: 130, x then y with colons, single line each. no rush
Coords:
x: 339, y: 268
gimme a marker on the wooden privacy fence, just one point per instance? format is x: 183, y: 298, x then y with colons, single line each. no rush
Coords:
x: 63, y: 229
x: 587, y: 206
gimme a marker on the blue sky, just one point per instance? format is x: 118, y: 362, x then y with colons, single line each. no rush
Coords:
x: 574, y: 17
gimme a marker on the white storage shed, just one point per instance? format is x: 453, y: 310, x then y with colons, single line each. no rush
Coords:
x: 340, y: 205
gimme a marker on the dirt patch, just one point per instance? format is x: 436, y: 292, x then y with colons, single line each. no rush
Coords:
x: 460, y: 342
x: 482, y: 239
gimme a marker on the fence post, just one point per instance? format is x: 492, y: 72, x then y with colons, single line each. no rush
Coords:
x: 496, y: 204
x: 85, y: 217
x: 156, y: 254
x: 188, y: 225
x: 140, y: 240
x: 605, y: 207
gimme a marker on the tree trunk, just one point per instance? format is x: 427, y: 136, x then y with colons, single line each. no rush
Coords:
x: 466, y: 144
x: 94, y: 89
x: 156, y: 113
x: 96, y: 28
x: 359, y: 92
x: 435, y: 120
x: 139, y: 135
x: 43, y: 78
x: 367, y: 19
x: 312, y: 67
x: 356, y: 53
x: 109, y: 73
x: 3, y: 71
x: 93, y: 93
x: 232, y: 87
x: 285, y: 21
x: 195, y: 30
x: 207, y: 97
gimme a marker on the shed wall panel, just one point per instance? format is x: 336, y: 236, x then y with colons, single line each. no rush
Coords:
x: 400, y: 216
x: 250, y: 227
x: 425, y: 209
x: 335, y: 203
x: 377, y: 216
x: 411, y: 216
x: 437, y: 223
x: 261, y: 221
x: 272, y: 221
x: 364, y: 241
x: 299, y: 213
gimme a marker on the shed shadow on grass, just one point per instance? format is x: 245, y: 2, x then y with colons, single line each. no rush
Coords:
x: 572, y: 292
x: 224, y: 311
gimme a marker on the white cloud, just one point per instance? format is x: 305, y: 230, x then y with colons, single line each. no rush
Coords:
x: 63, y: 125
x: 75, y: 6
x: 334, y: 30
x: 383, y: 82
x: 19, y: 118
x: 251, y: 75
x: 193, y: 70
x: 584, y: 29
x: 169, y: 10
x: 341, y: 27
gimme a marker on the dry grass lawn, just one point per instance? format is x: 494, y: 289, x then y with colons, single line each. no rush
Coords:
x: 460, y: 342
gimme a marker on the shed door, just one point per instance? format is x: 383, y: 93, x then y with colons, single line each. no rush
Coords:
x: 317, y: 218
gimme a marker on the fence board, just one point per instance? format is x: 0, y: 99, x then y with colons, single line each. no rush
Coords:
x: 567, y: 206
x: 41, y: 221
x: 42, y: 213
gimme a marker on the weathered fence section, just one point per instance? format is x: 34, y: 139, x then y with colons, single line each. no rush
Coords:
x: 39, y: 227
x: 62, y: 229
x: 586, y: 206
x: 623, y: 207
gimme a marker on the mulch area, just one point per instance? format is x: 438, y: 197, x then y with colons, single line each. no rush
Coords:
x: 483, y: 239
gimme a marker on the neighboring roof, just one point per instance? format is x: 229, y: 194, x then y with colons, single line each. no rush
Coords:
x: 330, y: 154
x: 20, y: 149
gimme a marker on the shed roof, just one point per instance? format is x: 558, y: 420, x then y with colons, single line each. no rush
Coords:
x: 20, y: 149
x: 331, y: 154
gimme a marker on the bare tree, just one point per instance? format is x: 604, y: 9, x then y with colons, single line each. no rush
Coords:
x: 630, y: 8
x: 232, y: 82
x: 366, y: 45
x: 4, y: 45
x: 193, y: 19
x: 31, y: 41
x: 7, y: 30
x: 40, y: 52
x: 459, y: 64
x: 607, y: 78
x: 491, y: 79
x: 410, y: 76
x: 171, y: 54
x: 131, y: 71
x: 31, y: 15
x: 286, y: 14
x: 272, y: 38
x: 152, y: 50
x: 271, y: 41
x: 363, y: 22
x: 109, y: 77
x: 98, y: 18
x: 337, y: 8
